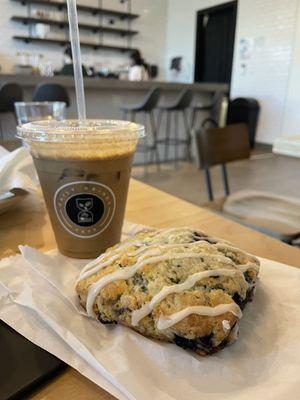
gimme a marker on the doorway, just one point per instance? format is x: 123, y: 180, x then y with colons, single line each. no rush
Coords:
x: 215, y: 43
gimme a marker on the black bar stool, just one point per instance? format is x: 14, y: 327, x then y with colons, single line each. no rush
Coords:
x: 146, y: 107
x: 9, y: 94
x: 213, y: 106
x: 51, y: 92
x: 180, y: 105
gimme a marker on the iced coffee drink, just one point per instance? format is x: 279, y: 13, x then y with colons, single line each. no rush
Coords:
x: 84, y: 170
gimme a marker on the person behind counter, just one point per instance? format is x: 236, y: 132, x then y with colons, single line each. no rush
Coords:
x: 138, y: 68
x: 68, y: 68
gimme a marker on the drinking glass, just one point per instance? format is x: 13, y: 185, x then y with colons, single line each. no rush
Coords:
x: 38, y: 111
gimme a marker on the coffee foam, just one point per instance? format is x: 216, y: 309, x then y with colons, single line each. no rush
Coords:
x: 88, y: 150
x: 81, y: 140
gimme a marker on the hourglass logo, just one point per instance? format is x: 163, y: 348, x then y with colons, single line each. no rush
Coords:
x: 84, y: 209
x: 85, y: 215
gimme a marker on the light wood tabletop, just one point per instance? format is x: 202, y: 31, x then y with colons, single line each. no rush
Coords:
x: 29, y: 224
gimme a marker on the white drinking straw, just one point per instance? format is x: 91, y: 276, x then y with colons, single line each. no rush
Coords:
x: 75, y: 44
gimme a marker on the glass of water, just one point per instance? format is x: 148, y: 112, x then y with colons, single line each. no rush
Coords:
x: 38, y: 111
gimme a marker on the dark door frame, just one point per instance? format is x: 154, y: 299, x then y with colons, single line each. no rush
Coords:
x: 199, y: 46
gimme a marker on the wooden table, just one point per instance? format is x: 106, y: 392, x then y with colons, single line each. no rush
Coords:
x: 29, y: 224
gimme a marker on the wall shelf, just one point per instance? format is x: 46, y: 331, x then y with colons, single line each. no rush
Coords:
x: 95, y: 27
x: 63, y: 42
x: 81, y: 7
x: 65, y: 24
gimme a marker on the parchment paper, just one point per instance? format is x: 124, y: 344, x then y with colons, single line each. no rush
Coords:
x: 17, y: 170
x: 37, y: 299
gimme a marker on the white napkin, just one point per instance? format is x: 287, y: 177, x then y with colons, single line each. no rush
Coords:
x: 37, y: 299
x: 17, y: 170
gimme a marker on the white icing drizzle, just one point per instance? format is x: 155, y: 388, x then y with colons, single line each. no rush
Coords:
x: 161, y: 246
x: 127, y: 273
x: 244, y: 267
x: 93, y: 263
x: 201, y: 243
x: 199, y: 234
x: 170, y: 320
x: 118, y: 251
x: 164, y: 231
x: 97, y: 268
x: 150, y: 252
x: 97, y: 264
x: 147, y: 308
x: 229, y: 246
x: 157, y: 248
x: 154, y: 250
x: 184, y: 231
x: 226, y: 325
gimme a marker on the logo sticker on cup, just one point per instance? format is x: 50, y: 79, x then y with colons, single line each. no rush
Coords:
x: 85, y: 209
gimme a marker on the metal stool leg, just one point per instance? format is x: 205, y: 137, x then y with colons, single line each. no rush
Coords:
x: 193, y: 118
x: 188, y: 135
x: 168, y: 128
x: 152, y: 141
x: 176, y: 141
x: 208, y: 184
x: 159, y: 119
x: 1, y: 132
x: 146, y: 146
x: 154, y: 130
x: 225, y: 179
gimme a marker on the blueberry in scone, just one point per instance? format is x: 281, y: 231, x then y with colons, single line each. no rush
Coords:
x: 178, y: 285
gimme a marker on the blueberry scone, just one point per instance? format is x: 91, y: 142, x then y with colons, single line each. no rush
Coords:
x: 178, y: 285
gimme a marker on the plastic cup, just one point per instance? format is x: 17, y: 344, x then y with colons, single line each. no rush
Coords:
x: 84, y: 170
x: 40, y: 110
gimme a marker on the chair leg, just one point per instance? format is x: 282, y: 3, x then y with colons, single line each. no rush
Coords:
x: 1, y: 132
x: 176, y: 141
x: 146, y: 146
x: 188, y: 136
x: 208, y: 184
x: 193, y: 118
x: 152, y: 141
x: 154, y: 130
x: 225, y: 179
x: 168, y: 128
x: 159, y: 119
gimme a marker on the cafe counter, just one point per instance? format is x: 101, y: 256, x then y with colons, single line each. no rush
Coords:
x: 104, y: 97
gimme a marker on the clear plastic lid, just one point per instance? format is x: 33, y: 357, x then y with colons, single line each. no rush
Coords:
x: 70, y: 131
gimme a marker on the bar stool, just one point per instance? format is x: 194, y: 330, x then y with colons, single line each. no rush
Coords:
x: 180, y: 105
x: 213, y: 106
x: 146, y: 107
x: 9, y: 94
x: 51, y: 92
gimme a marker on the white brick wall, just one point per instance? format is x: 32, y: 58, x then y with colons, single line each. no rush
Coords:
x: 291, y: 117
x: 269, y: 26
x: 147, y: 40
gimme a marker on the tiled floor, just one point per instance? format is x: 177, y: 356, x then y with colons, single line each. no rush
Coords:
x: 264, y: 171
